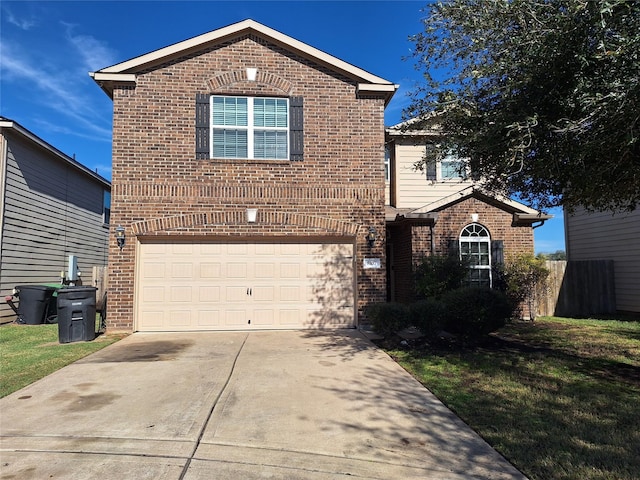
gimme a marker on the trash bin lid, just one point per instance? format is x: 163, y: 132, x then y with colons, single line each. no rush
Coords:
x: 78, y: 288
x: 35, y: 287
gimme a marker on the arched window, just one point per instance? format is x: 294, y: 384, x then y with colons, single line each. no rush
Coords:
x: 475, y: 249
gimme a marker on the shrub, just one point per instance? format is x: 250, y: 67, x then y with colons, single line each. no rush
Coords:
x: 474, y: 312
x: 388, y: 318
x: 523, y: 276
x: 427, y: 316
x: 437, y: 274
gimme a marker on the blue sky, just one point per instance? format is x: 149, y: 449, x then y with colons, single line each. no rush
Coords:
x: 47, y: 49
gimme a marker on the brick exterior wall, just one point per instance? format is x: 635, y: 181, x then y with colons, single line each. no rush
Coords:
x: 412, y: 242
x: 499, y: 223
x: 160, y: 189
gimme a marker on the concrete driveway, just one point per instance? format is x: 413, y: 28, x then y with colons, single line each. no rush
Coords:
x: 277, y: 405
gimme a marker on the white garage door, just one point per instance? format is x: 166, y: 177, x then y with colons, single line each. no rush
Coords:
x: 244, y: 286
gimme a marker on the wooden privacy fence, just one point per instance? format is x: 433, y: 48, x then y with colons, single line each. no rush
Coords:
x: 578, y: 289
x: 99, y: 280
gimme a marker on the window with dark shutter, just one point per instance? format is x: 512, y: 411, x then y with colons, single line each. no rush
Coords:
x: 497, y: 252
x: 296, y: 135
x: 202, y: 126
x: 259, y: 130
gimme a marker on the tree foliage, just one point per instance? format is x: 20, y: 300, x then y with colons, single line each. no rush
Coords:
x: 542, y: 97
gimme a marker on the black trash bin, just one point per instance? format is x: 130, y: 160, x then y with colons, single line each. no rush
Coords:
x: 34, y: 303
x: 76, y: 314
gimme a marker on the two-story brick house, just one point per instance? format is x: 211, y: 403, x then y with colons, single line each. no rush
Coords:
x: 248, y: 182
x: 439, y: 211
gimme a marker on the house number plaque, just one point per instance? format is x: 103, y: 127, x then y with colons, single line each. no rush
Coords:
x: 372, y: 263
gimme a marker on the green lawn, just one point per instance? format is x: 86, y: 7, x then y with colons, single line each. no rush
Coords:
x: 30, y: 352
x: 560, y: 398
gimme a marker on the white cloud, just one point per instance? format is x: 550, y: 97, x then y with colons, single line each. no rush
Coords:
x: 397, y: 105
x: 94, y: 54
x: 61, y: 90
x: 21, y: 23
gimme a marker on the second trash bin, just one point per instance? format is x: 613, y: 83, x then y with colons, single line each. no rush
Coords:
x: 76, y: 314
x: 34, y: 303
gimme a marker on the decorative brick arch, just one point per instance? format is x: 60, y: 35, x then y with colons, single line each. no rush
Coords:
x: 238, y: 217
x: 237, y: 80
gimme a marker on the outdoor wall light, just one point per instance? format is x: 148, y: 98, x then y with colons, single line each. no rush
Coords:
x: 120, y: 236
x: 252, y: 213
x: 371, y: 236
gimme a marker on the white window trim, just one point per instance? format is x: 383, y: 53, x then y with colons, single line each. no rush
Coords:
x: 250, y: 128
x: 387, y: 164
x: 436, y: 167
x: 477, y: 239
x: 440, y: 176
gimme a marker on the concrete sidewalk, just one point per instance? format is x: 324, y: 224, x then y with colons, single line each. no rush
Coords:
x: 232, y: 405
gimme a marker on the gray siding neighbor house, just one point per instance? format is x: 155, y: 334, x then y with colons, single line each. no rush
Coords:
x: 51, y: 207
x: 605, y: 236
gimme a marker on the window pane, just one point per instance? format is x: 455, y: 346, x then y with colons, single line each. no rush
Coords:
x: 270, y: 112
x: 450, y: 169
x: 229, y: 143
x: 270, y: 144
x: 230, y: 111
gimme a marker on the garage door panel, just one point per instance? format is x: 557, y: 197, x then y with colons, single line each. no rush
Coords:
x: 210, y: 270
x: 153, y: 270
x: 263, y: 317
x: 268, y: 249
x: 152, y: 294
x: 208, y: 294
x: 179, y: 318
x: 263, y: 294
x: 290, y: 318
x: 238, y: 249
x: 181, y: 294
x: 152, y: 319
x: 211, y: 249
x: 236, y: 294
x: 209, y: 318
x: 182, y: 248
x: 290, y: 270
x: 215, y: 286
x: 236, y: 318
x: 264, y: 270
x: 290, y: 293
x: 237, y: 270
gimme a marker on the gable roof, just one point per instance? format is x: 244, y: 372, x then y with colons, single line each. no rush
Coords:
x: 34, y: 139
x: 125, y: 72
x: 522, y: 215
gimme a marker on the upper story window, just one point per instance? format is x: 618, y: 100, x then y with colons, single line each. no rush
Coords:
x: 106, y: 207
x: 387, y: 164
x: 475, y: 249
x: 452, y: 168
x: 441, y: 167
x: 242, y: 127
x: 247, y: 127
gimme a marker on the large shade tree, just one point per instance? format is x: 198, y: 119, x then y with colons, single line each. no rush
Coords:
x: 541, y: 97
